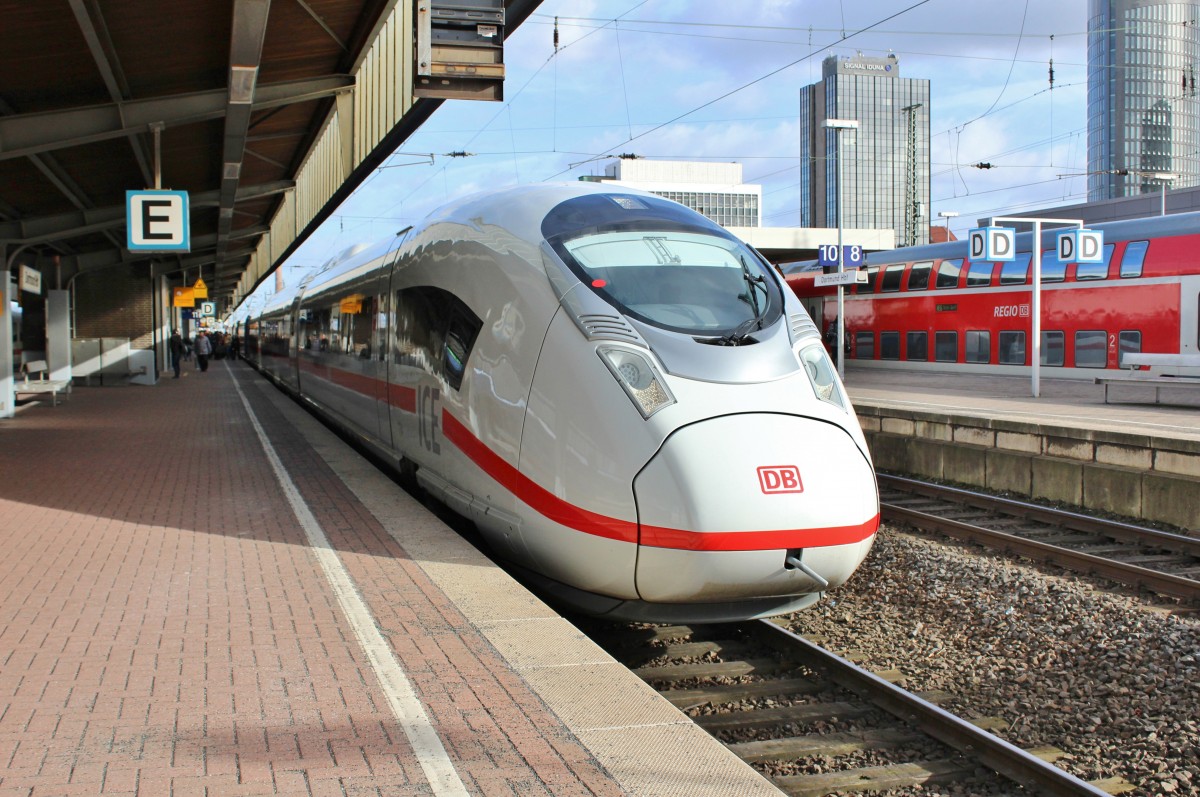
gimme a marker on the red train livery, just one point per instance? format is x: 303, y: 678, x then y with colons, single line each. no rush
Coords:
x: 932, y: 308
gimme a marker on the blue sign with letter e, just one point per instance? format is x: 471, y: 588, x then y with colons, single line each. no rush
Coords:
x: 157, y: 221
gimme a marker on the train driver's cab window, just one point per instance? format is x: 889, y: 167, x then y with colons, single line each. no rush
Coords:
x: 891, y: 279
x: 1095, y: 271
x: 947, y: 274
x: 1091, y: 349
x: 889, y: 345
x: 1053, y: 269
x: 980, y: 273
x: 434, y: 332
x: 1012, y: 348
x: 1016, y: 271
x: 917, y: 346
x: 979, y: 346
x: 864, y: 345
x: 1130, y: 343
x: 869, y: 285
x: 1053, y: 348
x: 918, y: 276
x: 1134, y: 257
x: 945, y: 347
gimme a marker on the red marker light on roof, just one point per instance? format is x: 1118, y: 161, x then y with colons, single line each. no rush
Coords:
x: 599, y: 283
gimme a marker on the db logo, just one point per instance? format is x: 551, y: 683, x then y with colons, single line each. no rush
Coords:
x: 780, y: 479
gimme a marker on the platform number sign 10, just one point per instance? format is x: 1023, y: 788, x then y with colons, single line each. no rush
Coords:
x: 827, y: 255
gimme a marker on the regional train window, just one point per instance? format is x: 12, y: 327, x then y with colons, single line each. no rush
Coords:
x: 889, y: 345
x: 1012, y: 348
x: 864, y: 345
x: 1053, y: 348
x: 945, y: 347
x: 918, y: 276
x: 979, y: 346
x: 1095, y: 271
x: 1091, y: 348
x: 869, y: 285
x: 1016, y: 272
x: 1053, y: 269
x: 979, y: 274
x: 1134, y: 257
x: 947, y: 274
x: 891, y: 278
x: 917, y: 346
x: 1130, y: 343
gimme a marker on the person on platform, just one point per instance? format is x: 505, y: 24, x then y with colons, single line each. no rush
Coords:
x: 204, y: 349
x: 175, y: 344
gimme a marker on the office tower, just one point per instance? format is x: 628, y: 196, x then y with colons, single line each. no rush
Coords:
x: 1143, y: 116
x: 885, y: 161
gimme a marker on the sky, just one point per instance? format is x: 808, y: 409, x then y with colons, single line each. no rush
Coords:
x: 720, y: 80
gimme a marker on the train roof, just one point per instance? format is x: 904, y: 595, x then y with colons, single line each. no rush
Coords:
x: 1124, y: 230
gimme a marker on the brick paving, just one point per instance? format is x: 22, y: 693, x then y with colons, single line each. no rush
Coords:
x: 165, y: 630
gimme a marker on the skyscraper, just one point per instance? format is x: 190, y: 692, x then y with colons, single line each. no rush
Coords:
x: 1143, y: 111
x: 885, y: 162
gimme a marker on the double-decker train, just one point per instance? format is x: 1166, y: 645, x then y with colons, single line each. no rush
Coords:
x: 931, y: 307
x: 624, y: 398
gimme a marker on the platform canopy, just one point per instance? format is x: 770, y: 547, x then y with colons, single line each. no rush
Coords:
x: 266, y: 113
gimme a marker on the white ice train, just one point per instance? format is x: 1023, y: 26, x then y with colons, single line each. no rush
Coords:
x: 627, y: 401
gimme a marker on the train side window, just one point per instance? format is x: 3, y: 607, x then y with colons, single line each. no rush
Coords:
x: 947, y: 274
x: 918, y: 276
x: 1095, y: 271
x: 1133, y: 258
x: 1130, y: 343
x: 945, y: 347
x: 889, y: 345
x: 891, y: 279
x: 864, y: 345
x: 917, y: 346
x: 460, y: 338
x: 1053, y: 269
x: 869, y: 285
x: 1012, y: 348
x: 979, y: 346
x: 1053, y: 348
x: 1091, y: 348
x: 980, y: 274
x: 1016, y: 272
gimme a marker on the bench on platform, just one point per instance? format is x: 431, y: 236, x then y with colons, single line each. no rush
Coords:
x: 36, y: 381
x: 1161, y: 370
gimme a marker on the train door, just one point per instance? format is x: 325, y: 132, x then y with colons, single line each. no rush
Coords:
x: 1189, y: 315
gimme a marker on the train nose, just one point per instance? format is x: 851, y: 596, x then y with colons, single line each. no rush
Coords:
x: 753, y: 505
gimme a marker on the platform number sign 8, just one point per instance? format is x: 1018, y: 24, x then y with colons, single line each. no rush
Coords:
x: 827, y: 255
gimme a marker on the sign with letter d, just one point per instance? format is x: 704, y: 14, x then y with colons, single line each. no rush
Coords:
x: 1081, y: 246
x: 993, y: 243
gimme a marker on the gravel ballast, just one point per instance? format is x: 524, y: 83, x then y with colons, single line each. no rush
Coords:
x: 1112, y: 679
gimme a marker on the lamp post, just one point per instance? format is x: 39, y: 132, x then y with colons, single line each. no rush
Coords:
x: 1164, y: 178
x: 947, y: 215
x: 838, y: 125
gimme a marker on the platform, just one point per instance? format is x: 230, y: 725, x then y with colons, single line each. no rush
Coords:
x: 203, y: 591
x: 1139, y: 460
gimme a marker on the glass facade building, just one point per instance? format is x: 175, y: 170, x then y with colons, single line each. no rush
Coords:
x: 885, y: 162
x: 1143, y: 116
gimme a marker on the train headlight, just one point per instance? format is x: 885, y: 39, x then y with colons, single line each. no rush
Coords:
x: 821, y: 375
x: 640, y: 379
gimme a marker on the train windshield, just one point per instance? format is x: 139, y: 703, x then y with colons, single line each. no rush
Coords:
x: 689, y: 282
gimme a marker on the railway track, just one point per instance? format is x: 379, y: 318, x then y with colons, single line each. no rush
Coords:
x: 817, y: 724
x: 1164, y: 563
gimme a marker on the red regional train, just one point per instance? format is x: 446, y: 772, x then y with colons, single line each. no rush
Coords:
x: 932, y: 308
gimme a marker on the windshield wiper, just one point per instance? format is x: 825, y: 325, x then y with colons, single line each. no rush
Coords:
x: 740, y: 333
x: 751, y: 283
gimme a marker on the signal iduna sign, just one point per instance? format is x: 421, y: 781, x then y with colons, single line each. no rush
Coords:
x: 1081, y: 246
x: 157, y: 221
x: 993, y: 243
